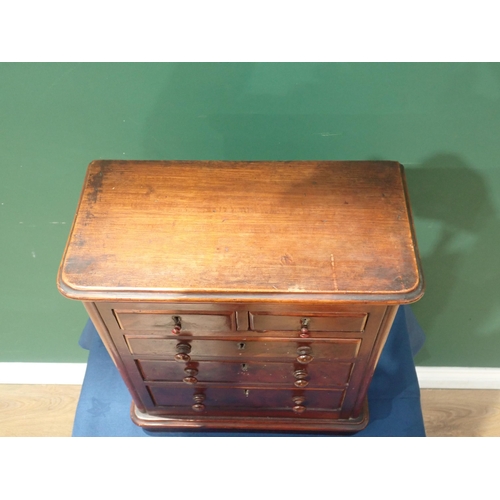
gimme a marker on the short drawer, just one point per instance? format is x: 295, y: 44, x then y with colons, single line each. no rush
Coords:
x: 326, y: 322
x: 265, y: 400
x: 317, y: 374
x: 198, y: 349
x: 186, y: 322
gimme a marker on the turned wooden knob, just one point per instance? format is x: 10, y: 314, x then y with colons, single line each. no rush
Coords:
x: 190, y: 380
x: 299, y: 407
x: 304, y: 328
x: 304, y: 349
x: 304, y: 333
x: 182, y: 352
x: 198, y: 400
x: 304, y: 359
x: 190, y: 371
x: 300, y: 375
x: 304, y: 355
x: 178, y: 326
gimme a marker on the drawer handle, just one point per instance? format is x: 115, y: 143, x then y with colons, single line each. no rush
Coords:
x: 177, y: 325
x: 300, y: 375
x: 191, y: 371
x: 304, y: 355
x: 298, y: 404
x: 304, y: 359
x: 183, y: 350
x: 198, y: 400
x: 190, y: 380
x: 304, y: 330
x: 301, y: 383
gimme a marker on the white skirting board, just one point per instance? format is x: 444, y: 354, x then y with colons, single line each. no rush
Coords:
x: 450, y: 377
x: 429, y: 377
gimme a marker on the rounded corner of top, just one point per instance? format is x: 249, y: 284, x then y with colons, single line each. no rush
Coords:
x: 417, y: 292
x: 65, y: 287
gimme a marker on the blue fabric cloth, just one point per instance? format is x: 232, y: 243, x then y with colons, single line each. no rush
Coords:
x: 393, y: 396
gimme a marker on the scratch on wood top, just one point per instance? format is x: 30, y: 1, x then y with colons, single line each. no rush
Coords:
x: 334, y: 274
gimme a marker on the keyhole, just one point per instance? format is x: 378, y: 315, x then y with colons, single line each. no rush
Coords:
x: 247, y: 392
x: 241, y: 346
x: 244, y: 367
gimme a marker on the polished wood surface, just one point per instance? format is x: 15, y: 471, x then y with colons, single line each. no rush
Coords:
x: 273, y: 285
x: 340, y: 230
x: 319, y: 374
x: 146, y: 359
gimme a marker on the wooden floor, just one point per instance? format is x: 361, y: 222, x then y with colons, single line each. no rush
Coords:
x: 461, y: 413
x: 37, y: 410
x: 48, y: 410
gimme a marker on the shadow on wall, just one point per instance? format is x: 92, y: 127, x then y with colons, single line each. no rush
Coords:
x: 462, y: 271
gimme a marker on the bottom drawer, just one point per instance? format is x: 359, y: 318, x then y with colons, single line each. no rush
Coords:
x: 219, y: 400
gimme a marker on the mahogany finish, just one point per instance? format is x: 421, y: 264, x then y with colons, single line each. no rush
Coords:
x: 244, y: 295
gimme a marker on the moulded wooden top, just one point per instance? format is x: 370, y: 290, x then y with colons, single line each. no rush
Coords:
x: 160, y: 230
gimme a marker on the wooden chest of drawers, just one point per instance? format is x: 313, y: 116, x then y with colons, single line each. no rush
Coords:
x: 244, y: 295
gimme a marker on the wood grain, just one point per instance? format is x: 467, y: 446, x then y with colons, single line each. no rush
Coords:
x: 38, y: 410
x: 283, y: 229
x: 461, y: 413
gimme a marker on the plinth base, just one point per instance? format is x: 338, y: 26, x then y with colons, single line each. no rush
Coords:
x: 300, y: 424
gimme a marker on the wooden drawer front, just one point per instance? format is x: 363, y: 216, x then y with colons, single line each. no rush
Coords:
x: 319, y: 374
x: 266, y: 400
x: 164, y: 321
x: 333, y: 322
x: 201, y: 349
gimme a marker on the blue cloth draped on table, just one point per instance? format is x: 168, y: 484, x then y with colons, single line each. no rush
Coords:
x: 393, y: 396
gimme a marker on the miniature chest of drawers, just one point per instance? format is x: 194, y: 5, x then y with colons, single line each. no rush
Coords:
x: 244, y: 295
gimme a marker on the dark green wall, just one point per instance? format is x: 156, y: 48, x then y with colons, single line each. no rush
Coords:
x: 442, y: 121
